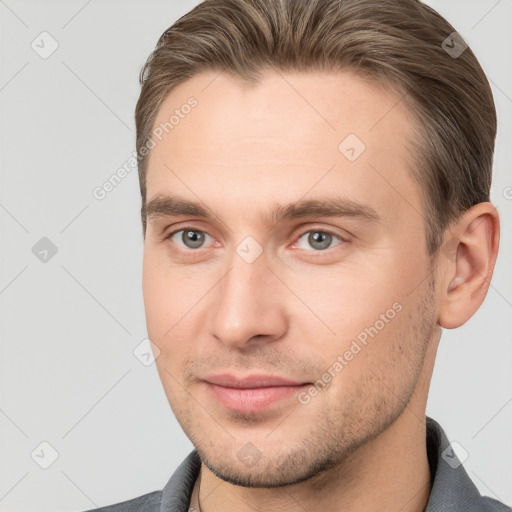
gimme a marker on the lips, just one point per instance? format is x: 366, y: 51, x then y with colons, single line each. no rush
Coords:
x: 251, y: 381
x: 253, y: 393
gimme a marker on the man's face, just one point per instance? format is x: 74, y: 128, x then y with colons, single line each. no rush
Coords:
x: 345, y: 301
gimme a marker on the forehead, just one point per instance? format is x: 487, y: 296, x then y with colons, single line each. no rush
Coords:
x: 289, y: 135
x: 320, y: 107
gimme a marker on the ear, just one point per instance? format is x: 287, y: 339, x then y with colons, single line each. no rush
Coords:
x: 467, y: 256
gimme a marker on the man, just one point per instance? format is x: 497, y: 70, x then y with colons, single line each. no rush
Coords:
x: 315, y: 185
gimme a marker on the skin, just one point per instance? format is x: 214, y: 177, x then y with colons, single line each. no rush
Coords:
x: 359, y: 444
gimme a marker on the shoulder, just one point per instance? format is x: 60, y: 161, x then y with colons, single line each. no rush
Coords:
x: 452, y: 489
x: 491, y: 505
x: 146, y: 503
x: 175, y: 495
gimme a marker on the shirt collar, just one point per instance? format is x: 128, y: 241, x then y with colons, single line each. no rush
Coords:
x: 452, y: 489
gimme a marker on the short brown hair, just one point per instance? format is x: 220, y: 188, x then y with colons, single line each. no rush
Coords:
x: 398, y: 43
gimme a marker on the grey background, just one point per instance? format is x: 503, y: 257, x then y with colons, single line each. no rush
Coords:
x: 69, y: 325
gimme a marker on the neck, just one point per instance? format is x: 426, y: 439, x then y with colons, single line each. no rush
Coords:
x: 391, y: 472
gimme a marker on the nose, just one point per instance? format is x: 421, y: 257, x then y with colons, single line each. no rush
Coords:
x: 249, y: 305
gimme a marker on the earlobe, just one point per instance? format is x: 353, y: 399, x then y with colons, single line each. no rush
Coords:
x: 473, y: 246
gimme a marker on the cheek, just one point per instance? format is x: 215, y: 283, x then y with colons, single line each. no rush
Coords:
x: 154, y: 291
x: 348, y: 300
x: 172, y: 298
x: 378, y: 367
x: 371, y: 318
x: 160, y: 292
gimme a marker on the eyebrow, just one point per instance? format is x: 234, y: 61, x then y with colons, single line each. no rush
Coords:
x: 172, y: 206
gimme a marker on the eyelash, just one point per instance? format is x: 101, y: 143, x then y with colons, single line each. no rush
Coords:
x: 298, y: 237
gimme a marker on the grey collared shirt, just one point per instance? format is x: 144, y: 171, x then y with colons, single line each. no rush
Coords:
x: 452, y: 489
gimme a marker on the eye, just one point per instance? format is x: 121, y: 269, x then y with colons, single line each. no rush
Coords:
x: 189, y: 238
x: 318, y: 239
